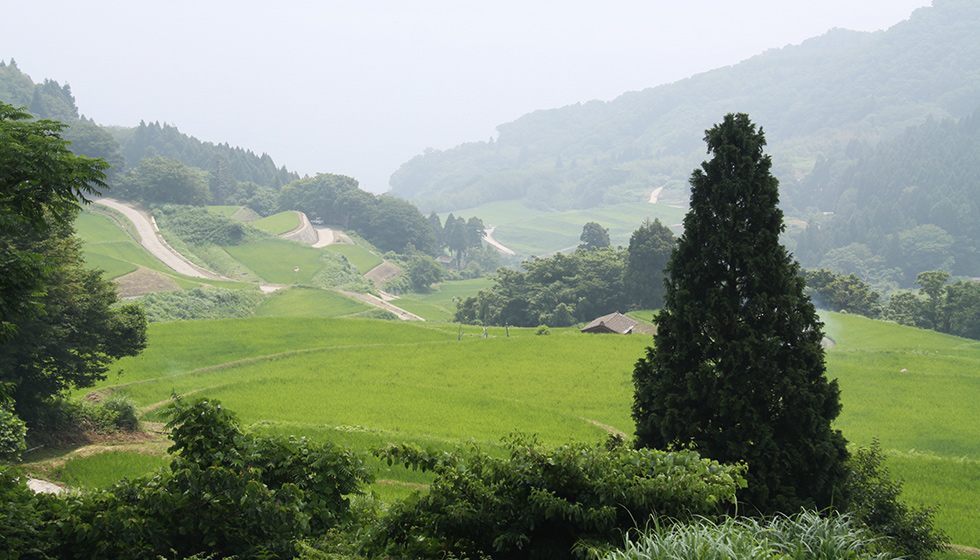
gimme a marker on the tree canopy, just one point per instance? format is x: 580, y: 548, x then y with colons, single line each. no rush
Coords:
x: 59, y: 328
x: 737, y: 367
x: 40, y: 180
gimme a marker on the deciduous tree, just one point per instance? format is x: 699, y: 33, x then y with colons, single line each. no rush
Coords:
x: 594, y: 236
x: 40, y: 180
x: 737, y: 370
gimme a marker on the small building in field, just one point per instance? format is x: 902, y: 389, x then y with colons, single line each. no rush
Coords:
x: 616, y: 323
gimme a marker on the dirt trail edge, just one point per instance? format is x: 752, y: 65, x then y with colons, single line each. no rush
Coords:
x: 378, y: 302
x: 147, y: 230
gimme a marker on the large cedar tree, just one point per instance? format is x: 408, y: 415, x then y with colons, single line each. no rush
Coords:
x: 737, y: 368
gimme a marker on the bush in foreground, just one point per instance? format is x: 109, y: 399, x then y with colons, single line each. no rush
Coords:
x: 541, y: 501
x: 227, y: 493
x: 873, y: 498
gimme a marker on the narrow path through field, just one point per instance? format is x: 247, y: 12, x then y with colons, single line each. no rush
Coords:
x: 378, y: 302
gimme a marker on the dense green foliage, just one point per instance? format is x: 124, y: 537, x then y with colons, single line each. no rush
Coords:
x: 946, y: 308
x: 816, y: 97
x: 804, y: 536
x: 195, y: 225
x: 232, y: 171
x: 648, y: 253
x: 200, y: 303
x: 40, y: 181
x: 227, y: 492
x: 59, y: 328
x: 899, y: 208
x: 546, y: 502
x: 837, y: 292
x: 873, y: 501
x: 160, y: 180
x: 80, y: 332
x: 594, y: 236
x: 562, y: 290
x: 13, y: 434
x: 737, y: 369
x: 558, y: 291
x: 458, y: 235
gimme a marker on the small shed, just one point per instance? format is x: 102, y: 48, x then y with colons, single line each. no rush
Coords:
x: 612, y: 323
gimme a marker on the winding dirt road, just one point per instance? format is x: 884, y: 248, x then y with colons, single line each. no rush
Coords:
x: 147, y: 230
x: 489, y: 239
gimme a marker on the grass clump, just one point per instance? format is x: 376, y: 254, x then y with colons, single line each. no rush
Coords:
x: 805, y: 536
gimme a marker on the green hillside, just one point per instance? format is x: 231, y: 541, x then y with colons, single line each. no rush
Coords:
x: 365, y: 383
x: 813, y: 100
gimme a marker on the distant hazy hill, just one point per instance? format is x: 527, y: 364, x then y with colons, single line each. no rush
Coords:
x: 124, y: 147
x: 813, y: 100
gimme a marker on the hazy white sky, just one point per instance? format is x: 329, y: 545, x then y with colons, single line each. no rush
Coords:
x: 359, y: 87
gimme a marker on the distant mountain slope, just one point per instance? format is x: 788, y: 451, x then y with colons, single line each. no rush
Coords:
x: 905, y: 206
x: 124, y: 147
x: 811, y: 99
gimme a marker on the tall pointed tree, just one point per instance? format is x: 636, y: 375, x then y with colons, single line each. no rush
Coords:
x: 737, y: 369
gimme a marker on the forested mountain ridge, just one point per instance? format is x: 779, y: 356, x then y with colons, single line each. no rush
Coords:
x: 905, y: 206
x: 124, y: 147
x: 812, y: 99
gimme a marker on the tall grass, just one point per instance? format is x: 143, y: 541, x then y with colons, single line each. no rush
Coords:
x: 805, y: 536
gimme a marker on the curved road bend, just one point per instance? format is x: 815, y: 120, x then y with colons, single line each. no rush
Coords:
x: 153, y: 244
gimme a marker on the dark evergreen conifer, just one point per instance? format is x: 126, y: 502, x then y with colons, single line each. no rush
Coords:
x: 737, y: 368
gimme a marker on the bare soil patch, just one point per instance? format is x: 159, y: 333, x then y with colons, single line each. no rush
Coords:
x: 143, y: 281
x: 382, y: 273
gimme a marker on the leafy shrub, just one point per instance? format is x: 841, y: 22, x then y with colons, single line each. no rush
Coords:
x: 227, y: 493
x: 20, y: 525
x: 124, y: 410
x: 806, y: 536
x: 205, y: 433
x: 201, y: 303
x: 63, y: 419
x: 873, y: 500
x: 13, y: 433
x: 194, y: 509
x: 546, y: 501
x: 542, y: 330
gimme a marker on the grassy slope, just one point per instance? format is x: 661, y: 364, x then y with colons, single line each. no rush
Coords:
x: 531, y: 232
x: 440, y: 304
x: 364, y: 383
x: 362, y: 259
x: 109, y: 248
x: 309, y: 302
x: 924, y: 417
x: 278, y: 224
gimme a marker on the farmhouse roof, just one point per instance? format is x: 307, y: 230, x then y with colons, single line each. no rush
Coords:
x: 612, y: 323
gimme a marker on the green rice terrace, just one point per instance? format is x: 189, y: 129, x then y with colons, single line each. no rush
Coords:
x: 301, y: 365
x: 364, y: 383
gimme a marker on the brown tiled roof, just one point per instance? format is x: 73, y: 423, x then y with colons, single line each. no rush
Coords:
x: 612, y: 323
